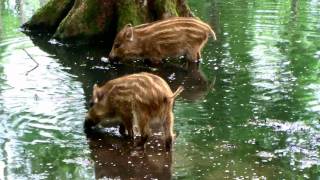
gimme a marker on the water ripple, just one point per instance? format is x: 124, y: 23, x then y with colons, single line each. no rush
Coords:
x: 44, y: 108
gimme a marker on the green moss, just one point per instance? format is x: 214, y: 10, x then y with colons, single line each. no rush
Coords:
x: 90, y: 15
x: 85, y: 21
x: 129, y: 12
x: 165, y: 8
x: 184, y: 9
x: 49, y: 16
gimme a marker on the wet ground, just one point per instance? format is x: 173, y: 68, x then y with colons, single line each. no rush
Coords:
x: 251, y: 110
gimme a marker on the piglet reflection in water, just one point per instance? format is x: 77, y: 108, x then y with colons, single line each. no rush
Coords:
x: 116, y: 158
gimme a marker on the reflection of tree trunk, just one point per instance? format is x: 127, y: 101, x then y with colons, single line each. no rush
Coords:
x: 294, y: 12
x: 100, y: 19
x: 215, y: 18
x: 18, y: 5
x: 1, y: 6
x: 294, y: 7
x: 20, y: 10
x: 1, y: 11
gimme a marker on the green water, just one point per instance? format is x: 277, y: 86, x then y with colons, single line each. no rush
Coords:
x: 251, y: 111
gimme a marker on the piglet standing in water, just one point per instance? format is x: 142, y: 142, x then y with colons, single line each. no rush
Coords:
x: 137, y: 100
x: 173, y: 37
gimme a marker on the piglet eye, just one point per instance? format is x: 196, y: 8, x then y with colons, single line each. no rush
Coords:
x: 117, y: 45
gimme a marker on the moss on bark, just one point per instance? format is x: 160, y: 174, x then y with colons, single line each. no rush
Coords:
x: 87, y: 19
x: 165, y: 8
x: 93, y: 20
x: 184, y: 9
x: 49, y: 16
x: 130, y: 12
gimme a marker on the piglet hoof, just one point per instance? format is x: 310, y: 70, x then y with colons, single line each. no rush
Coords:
x: 169, y: 145
x: 128, y: 137
x: 138, y: 147
x: 141, y: 143
x: 122, y: 130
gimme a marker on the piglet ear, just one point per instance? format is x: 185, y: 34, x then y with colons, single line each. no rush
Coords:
x: 97, y: 94
x: 129, y: 32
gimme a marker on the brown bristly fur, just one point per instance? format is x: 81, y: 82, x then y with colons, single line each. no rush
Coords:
x: 137, y: 99
x: 173, y: 37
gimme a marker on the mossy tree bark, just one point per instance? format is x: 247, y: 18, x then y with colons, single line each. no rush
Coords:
x: 92, y: 20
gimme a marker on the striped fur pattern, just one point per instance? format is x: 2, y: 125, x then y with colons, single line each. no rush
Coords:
x: 136, y: 99
x: 173, y: 37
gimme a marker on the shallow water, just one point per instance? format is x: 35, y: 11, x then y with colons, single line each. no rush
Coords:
x: 252, y: 110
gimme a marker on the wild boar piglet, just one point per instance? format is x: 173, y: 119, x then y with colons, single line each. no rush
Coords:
x: 172, y: 37
x: 137, y: 100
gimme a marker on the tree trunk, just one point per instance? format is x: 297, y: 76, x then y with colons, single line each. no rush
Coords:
x: 92, y: 20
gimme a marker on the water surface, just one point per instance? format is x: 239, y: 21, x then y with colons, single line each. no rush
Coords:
x: 251, y: 110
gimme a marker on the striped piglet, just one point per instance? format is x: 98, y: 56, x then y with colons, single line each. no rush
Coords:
x: 173, y: 37
x: 137, y: 100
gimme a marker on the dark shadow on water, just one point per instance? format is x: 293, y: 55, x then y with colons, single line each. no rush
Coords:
x: 86, y: 62
x: 115, y: 158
